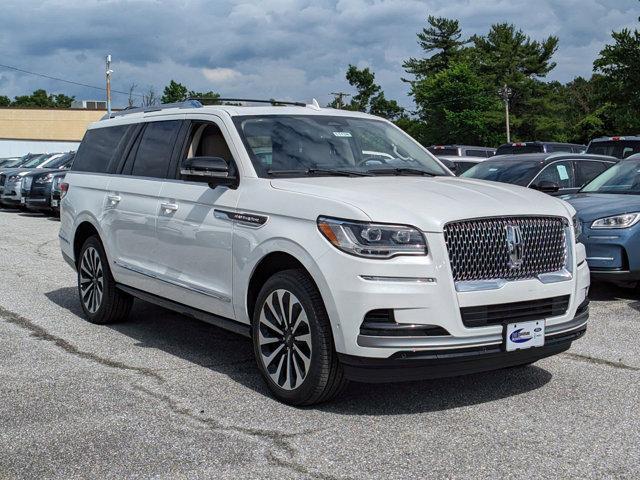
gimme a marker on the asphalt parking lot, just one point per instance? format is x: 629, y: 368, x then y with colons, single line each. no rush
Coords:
x: 163, y: 396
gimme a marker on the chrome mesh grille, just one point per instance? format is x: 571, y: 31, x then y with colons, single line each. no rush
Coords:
x: 478, y: 248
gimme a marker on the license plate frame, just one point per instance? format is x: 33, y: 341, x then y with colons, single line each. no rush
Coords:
x: 524, y: 335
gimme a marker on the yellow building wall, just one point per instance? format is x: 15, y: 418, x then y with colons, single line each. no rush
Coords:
x: 46, y: 124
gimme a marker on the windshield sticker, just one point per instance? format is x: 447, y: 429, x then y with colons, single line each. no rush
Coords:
x: 562, y: 171
x: 342, y: 134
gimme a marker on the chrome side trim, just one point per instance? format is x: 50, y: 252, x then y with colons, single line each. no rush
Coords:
x: 606, y: 259
x: 432, y: 343
x: 478, y: 285
x: 378, y: 278
x: 178, y: 283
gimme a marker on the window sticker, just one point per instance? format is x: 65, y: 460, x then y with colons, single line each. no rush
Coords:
x: 342, y: 134
x: 562, y: 171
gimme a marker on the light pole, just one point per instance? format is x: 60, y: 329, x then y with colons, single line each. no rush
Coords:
x: 505, y: 92
x: 108, y: 73
x: 339, y: 96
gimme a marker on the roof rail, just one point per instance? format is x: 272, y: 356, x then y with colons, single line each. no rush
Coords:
x: 271, y: 101
x: 189, y: 103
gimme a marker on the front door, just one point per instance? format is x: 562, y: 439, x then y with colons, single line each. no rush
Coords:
x: 194, y: 239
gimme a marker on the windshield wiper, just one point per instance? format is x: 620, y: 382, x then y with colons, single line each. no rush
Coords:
x: 318, y: 171
x: 400, y: 171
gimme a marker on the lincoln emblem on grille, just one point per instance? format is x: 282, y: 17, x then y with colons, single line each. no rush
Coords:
x: 515, y: 246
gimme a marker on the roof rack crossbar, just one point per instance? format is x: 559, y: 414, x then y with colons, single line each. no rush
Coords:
x: 189, y: 103
x: 272, y: 101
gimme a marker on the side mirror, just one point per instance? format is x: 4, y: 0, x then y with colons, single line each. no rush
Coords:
x: 213, y: 170
x: 210, y: 167
x: 546, y: 186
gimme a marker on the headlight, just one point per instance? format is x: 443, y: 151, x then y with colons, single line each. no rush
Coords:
x: 577, y: 226
x: 372, y: 240
x: 625, y: 220
x: 44, y: 179
x: 14, y: 178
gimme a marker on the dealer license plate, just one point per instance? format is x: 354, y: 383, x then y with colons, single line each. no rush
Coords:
x: 523, y: 335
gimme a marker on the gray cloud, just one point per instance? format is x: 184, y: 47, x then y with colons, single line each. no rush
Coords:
x: 277, y: 48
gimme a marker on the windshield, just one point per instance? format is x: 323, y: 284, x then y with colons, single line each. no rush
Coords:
x: 623, y: 177
x: 35, y: 161
x: 300, y: 145
x: 61, y: 161
x: 618, y: 149
x: 505, y: 171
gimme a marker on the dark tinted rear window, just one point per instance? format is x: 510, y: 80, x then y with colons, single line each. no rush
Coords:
x: 478, y: 153
x: 154, y: 153
x: 97, y: 148
x: 613, y: 148
x: 462, y: 167
x: 515, y: 149
x: 444, y: 151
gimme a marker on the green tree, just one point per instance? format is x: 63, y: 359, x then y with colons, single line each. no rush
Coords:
x: 457, y: 106
x: 620, y: 84
x: 204, y: 95
x: 369, y: 97
x: 507, y: 55
x: 443, y: 43
x: 40, y: 98
x: 4, y: 101
x: 174, y: 92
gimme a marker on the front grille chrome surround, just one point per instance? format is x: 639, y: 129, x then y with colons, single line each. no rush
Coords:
x: 479, y: 251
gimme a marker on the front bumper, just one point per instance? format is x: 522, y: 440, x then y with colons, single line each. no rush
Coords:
x: 613, y: 254
x: 427, y: 364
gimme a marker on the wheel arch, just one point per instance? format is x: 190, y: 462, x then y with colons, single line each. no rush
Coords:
x: 285, y: 257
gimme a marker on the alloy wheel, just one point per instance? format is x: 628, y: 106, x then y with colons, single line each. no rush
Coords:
x: 91, y: 280
x: 285, y: 339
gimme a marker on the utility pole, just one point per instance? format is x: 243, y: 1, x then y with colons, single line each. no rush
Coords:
x: 505, y: 92
x: 108, y: 73
x: 339, y: 96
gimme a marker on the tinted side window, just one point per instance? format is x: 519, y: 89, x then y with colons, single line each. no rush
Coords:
x: 97, y: 148
x: 154, y: 151
x: 587, y: 171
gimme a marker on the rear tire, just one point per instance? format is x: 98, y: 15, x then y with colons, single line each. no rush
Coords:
x: 101, y: 300
x: 293, y: 343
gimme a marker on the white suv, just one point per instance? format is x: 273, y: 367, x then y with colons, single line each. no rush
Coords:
x: 335, y: 241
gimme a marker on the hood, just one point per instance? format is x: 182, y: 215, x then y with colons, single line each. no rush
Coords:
x: 424, y: 202
x: 591, y: 206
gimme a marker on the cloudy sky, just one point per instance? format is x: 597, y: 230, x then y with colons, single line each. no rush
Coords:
x: 289, y: 49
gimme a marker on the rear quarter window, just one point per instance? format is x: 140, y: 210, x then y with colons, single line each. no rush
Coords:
x: 97, y: 148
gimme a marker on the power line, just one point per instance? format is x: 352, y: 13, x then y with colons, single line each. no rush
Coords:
x: 67, y: 81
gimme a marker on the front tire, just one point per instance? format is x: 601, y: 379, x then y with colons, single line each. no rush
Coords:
x: 293, y: 343
x: 101, y: 300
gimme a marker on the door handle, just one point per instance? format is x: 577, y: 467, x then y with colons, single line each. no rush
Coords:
x: 169, y: 207
x: 114, y: 199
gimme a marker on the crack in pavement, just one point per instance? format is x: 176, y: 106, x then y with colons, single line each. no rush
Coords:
x: 601, y: 361
x: 40, y: 333
x: 40, y: 246
x: 277, y: 439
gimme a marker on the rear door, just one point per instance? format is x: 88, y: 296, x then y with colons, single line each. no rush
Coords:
x: 132, y: 203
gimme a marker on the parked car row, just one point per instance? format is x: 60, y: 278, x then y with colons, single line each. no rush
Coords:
x: 33, y: 181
